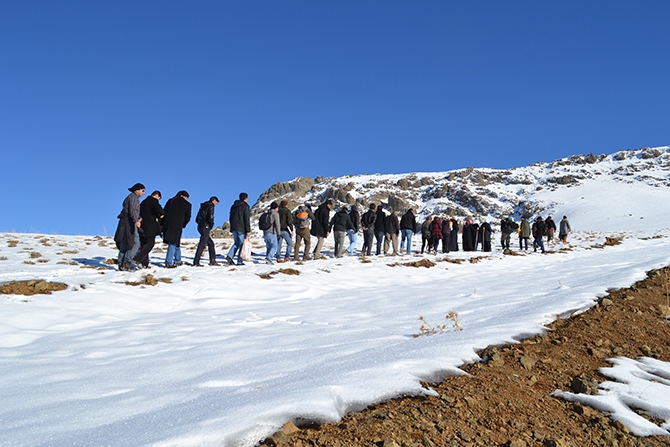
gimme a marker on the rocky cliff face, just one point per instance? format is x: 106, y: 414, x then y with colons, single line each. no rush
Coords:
x: 479, y: 193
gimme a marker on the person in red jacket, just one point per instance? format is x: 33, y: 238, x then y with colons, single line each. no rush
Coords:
x: 436, y: 230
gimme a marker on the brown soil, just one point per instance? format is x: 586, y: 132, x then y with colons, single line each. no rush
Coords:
x: 31, y: 287
x: 505, y: 400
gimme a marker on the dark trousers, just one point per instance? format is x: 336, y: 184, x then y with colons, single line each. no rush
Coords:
x: 368, y: 237
x: 205, y: 241
x: 146, y: 245
x: 426, y: 243
x: 523, y: 241
x: 445, y: 242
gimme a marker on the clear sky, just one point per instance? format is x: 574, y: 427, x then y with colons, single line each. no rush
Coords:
x: 227, y: 96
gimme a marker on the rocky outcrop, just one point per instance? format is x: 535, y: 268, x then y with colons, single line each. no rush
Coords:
x: 477, y: 192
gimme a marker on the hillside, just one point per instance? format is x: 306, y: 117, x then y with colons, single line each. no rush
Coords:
x: 480, y: 192
x: 228, y: 355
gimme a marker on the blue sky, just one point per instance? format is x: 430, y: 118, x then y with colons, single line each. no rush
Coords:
x: 227, y: 96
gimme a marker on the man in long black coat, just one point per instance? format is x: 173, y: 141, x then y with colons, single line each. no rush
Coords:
x: 469, y: 236
x: 380, y: 228
x: 177, y: 215
x: 150, y: 212
x: 321, y: 226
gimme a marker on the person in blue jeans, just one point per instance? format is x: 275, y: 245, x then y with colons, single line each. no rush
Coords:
x: 286, y: 225
x: 240, y: 226
x: 540, y: 229
x: 407, y: 227
x: 271, y: 233
x: 353, y: 233
x: 177, y: 216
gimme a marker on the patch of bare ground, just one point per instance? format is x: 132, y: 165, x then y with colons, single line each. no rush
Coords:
x: 31, y: 287
x: 505, y: 399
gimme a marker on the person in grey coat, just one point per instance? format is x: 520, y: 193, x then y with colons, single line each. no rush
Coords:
x: 127, y: 236
x: 271, y: 235
x: 564, y: 229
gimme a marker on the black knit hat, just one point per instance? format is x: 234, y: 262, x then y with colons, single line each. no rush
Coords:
x: 136, y: 187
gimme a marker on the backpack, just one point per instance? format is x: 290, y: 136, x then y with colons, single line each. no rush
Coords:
x: 265, y: 221
x: 302, y: 218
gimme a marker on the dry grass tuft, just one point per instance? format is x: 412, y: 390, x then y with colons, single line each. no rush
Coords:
x: 286, y: 271
x: 427, y: 329
x: 148, y: 280
x: 31, y: 287
x: 613, y: 240
x: 422, y: 263
x: 13, y: 243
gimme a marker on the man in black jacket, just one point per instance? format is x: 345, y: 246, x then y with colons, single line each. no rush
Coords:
x: 340, y: 223
x: 177, y: 216
x: 368, y: 225
x: 407, y: 227
x: 380, y: 228
x: 205, y: 221
x: 353, y: 233
x: 240, y: 226
x: 150, y: 212
x: 321, y: 226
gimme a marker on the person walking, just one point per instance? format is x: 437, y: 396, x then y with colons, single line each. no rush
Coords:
x: 353, y: 233
x: 427, y: 234
x: 484, y: 235
x: 271, y: 233
x: 392, y: 229
x: 564, y: 230
x: 380, y: 228
x: 340, y: 223
x: 453, y: 242
x: 407, y: 226
x: 446, y: 234
x: 127, y: 236
x: 240, y: 226
x: 177, y: 216
x: 524, y: 234
x: 321, y: 226
x: 469, y: 235
x: 540, y: 229
x: 507, y: 227
x: 286, y: 224
x: 205, y: 221
x: 150, y: 212
x: 436, y: 230
x: 551, y: 228
x: 302, y: 217
x: 368, y: 224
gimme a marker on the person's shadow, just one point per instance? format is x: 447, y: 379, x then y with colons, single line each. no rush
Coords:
x: 98, y: 262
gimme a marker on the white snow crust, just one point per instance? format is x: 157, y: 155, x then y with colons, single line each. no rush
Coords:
x: 223, y: 357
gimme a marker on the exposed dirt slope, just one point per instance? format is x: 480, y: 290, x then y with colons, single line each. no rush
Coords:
x: 505, y: 401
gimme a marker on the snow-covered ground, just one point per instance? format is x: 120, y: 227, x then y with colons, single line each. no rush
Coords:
x: 220, y: 356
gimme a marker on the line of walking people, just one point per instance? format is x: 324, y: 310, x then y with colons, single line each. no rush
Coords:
x: 140, y: 223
